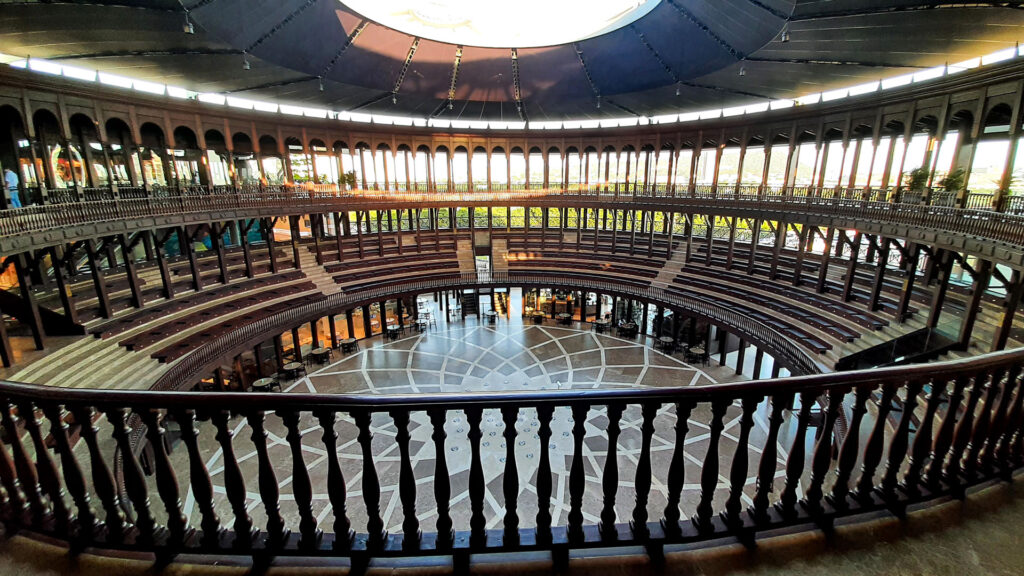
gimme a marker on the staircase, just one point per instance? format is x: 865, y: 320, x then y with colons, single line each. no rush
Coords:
x: 317, y: 274
x: 499, y: 256
x: 465, y: 255
x: 470, y: 304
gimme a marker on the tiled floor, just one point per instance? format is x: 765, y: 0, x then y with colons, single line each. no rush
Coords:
x: 470, y: 356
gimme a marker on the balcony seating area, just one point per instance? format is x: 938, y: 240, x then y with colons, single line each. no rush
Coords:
x: 373, y: 270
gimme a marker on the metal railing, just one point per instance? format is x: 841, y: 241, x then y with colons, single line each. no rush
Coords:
x: 931, y: 431
x: 988, y: 224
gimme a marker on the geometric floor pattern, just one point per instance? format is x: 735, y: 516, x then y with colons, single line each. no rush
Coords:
x: 506, y: 357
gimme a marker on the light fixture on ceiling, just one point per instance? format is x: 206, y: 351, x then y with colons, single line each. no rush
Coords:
x: 598, y: 101
x: 677, y: 89
x: 188, y: 28
x: 321, y: 78
x: 245, y: 61
x: 743, y: 70
x: 451, y: 105
x: 394, y: 98
x: 785, y: 34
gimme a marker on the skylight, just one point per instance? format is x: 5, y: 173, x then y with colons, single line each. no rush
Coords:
x: 499, y: 24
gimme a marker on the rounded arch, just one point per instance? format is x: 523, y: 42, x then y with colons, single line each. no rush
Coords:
x: 185, y: 138
x: 152, y: 136
x: 241, y: 143
x: 268, y: 146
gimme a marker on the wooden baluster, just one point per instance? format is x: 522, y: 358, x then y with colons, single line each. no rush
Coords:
x: 49, y: 478
x: 166, y: 478
x: 849, y: 449
x: 406, y: 483
x: 371, y: 485
x: 16, y: 504
x: 986, y: 459
x: 26, y: 471
x: 510, y: 478
x: 875, y: 444
x: 709, y: 472
x: 442, y: 482
x: 900, y: 442
x: 336, y: 490
x: 134, y: 481
x: 477, y: 523
x: 677, y: 471
x: 199, y: 477
x: 822, y: 457
x: 919, y: 450
x: 544, y: 414
x: 795, y: 461
x: 740, y: 457
x: 577, y: 483
x: 769, y: 458
x: 962, y: 435
x: 269, y: 490
x: 610, y: 476
x: 1004, y: 445
x: 88, y: 524
x: 944, y: 438
x: 980, y: 430
x: 302, y: 488
x: 234, y: 482
x: 643, y: 471
x: 102, y: 480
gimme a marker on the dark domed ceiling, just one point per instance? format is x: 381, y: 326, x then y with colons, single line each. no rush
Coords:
x: 672, y: 56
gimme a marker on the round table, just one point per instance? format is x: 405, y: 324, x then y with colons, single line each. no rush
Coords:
x: 321, y: 354
x: 667, y: 343
x: 492, y: 316
x: 602, y: 325
x: 291, y: 369
x: 348, y: 344
x: 538, y: 317
x: 564, y: 317
x: 263, y: 385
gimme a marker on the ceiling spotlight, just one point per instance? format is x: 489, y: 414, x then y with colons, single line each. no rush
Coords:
x: 188, y: 28
x: 394, y: 98
x: 321, y: 78
x: 677, y: 90
x: 451, y: 105
x: 743, y: 70
x: 785, y: 36
x: 599, y: 102
x: 245, y: 62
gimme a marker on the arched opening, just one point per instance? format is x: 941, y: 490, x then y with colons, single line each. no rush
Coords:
x: 442, y: 170
x: 499, y: 169
x: 217, y: 157
x: 270, y: 163
x: 325, y: 168
x: 517, y: 175
x: 479, y: 170
x: 460, y: 169
x: 61, y: 167
x: 752, y: 167
x: 424, y: 177
x: 153, y: 154
x: 188, y: 157
x: 86, y: 140
x: 247, y: 168
x: 124, y: 163
x: 535, y: 168
x: 992, y: 152
x: 300, y: 166
x: 555, y: 168
x: 15, y: 154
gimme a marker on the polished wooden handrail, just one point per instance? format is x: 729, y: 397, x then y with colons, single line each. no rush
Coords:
x: 968, y: 413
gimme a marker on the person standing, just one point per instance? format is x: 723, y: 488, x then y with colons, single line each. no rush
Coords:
x: 12, y: 187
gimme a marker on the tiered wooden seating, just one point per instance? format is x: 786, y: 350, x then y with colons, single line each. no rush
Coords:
x: 178, y: 349
x: 782, y: 325
x: 153, y: 313
x: 165, y: 330
x: 780, y: 305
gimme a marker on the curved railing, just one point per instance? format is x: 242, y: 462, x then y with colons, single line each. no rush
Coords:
x: 788, y: 353
x: 925, y: 432
x: 851, y: 204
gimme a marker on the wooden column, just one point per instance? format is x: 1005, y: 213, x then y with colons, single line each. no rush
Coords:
x: 130, y: 272
x: 32, y: 306
x: 99, y: 280
x: 983, y: 275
